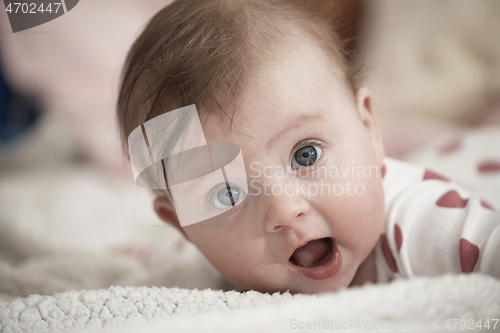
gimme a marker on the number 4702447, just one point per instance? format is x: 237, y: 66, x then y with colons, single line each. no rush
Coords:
x: 30, y: 8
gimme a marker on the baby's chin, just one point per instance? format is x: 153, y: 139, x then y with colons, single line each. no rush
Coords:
x: 326, y: 287
x: 308, y: 286
x: 304, y: 287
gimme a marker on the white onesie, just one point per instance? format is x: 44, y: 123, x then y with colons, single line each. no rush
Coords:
x: 434, y: 226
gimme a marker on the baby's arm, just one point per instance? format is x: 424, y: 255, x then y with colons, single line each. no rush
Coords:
x: 434, y: 227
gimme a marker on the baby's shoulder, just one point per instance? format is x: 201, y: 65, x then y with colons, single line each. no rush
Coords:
x: 400, y: 178
x: 432, y: 225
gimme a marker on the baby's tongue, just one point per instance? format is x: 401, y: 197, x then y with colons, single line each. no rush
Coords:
x: 310, y: 253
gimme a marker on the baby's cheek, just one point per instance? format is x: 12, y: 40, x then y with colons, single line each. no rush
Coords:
x: 243, y: 261
x: 360, y: 217
x: 220, y: 246
x: 371, y: 212
x: 242, y: 271
x: 371, y: 203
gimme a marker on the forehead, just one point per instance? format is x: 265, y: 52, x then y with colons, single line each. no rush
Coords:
x: 300, y: 83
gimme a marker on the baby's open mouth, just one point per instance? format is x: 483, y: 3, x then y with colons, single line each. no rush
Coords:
x: 315, y: 253
x: 319, y: 259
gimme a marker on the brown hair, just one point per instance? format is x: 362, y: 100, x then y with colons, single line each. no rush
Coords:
x: 202, y: 51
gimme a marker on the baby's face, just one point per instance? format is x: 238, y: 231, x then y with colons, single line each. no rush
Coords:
x: 294, y: 120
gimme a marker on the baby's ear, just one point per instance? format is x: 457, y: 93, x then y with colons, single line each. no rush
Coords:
x: 369, y: 120
x: 165, y: 209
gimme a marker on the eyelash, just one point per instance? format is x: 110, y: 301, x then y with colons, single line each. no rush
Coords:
x: 304, y: 143
x: 214, y: 191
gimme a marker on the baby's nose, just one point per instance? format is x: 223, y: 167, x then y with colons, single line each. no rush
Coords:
x: 283, y: 210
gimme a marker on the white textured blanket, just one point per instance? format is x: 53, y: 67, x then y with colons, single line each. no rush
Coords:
x: 447, y: 303
x: 61, y: 224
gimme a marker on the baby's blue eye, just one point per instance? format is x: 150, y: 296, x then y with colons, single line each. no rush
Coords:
x: 306, y: 156
x: 222, y: 199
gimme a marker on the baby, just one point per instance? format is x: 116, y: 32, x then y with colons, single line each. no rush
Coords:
x: 322, y: 208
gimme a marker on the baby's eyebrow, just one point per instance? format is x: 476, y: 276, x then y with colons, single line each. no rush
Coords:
x: 300, y: 120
